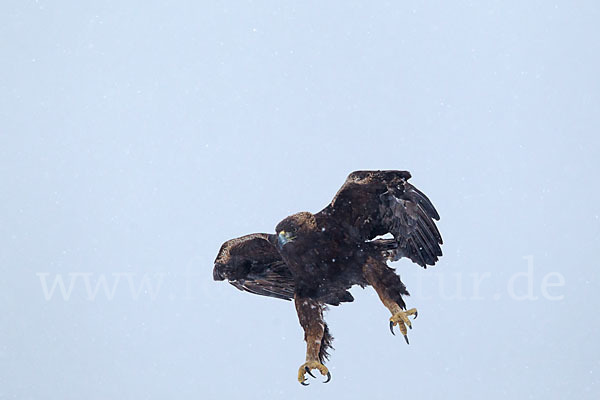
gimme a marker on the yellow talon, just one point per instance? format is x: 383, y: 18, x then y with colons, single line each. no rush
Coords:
x: 307, y: 367
x: 400, y: 318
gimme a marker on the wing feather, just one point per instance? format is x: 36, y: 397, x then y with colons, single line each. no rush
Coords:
x: 373, y: 203
x: 252, y: 264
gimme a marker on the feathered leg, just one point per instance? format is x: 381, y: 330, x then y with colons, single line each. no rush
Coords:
x: 316, y: 335
x: 390, y: 289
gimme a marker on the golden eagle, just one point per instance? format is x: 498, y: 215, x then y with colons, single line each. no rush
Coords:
x: 315, y: 258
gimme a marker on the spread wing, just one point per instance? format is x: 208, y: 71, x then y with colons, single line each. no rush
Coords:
x: 373, y: 203
x: 251, y: 263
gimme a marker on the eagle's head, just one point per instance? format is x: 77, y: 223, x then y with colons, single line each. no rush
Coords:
x: 298, y: 224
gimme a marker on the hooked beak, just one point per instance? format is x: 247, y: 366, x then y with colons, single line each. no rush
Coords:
x: 284, y: 237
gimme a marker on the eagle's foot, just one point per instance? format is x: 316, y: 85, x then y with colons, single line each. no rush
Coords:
x: 400, y: 318
x: 307, y: 367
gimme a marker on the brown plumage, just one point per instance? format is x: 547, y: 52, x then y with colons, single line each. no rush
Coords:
x: 315, y: 258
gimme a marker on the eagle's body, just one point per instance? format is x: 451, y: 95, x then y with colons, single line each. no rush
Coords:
x: 325, y: 261
x: 315, y: 258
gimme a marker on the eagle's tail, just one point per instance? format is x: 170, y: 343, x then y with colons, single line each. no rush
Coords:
x: 325, y: 345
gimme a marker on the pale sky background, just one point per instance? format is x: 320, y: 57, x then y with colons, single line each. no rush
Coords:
x: 137, y: 136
